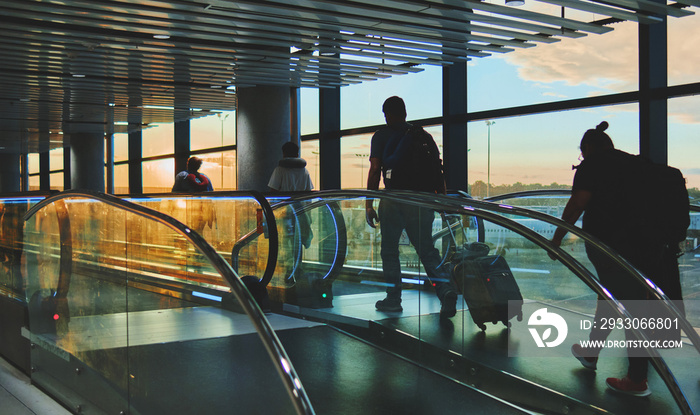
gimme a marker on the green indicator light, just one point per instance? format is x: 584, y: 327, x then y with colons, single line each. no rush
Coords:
x: 324, y: 295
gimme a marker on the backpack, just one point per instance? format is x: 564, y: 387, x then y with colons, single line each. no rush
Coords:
x: 662, y: 210
x: 412, y: 162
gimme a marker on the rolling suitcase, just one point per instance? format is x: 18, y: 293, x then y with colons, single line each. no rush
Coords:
x: 488, y: 287
x: 486, y: 283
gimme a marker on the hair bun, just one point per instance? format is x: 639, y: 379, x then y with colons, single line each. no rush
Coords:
x: 602, y: 126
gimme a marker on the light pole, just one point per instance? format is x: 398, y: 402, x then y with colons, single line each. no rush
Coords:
x: 222, y: 145
x: 316, y: 154
x: 362, y: 167
x: 489, y: 123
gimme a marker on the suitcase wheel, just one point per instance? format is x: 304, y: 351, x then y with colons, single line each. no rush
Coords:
x: 520, y: 316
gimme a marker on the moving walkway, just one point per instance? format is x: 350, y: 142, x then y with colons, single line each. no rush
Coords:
x: 153, y: 318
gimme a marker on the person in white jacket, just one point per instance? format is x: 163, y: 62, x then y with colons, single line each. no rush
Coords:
x: 291, y: 174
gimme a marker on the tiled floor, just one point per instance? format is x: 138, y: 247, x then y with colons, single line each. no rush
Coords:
x: 19, y: 397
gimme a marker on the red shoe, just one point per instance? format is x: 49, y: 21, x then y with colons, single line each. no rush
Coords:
x: 628, y: 387
x: 585, y: 356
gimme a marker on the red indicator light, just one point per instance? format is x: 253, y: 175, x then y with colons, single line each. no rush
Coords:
x: 488, y: 279
x: 55, y: 316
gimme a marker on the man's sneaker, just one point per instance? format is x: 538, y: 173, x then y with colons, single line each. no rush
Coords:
x: 449, y: 304
x: 389, y: 304
x: 628, y: 387
x: 584, y: 356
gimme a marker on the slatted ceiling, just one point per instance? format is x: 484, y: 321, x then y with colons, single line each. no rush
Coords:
x: 215, y: 44
x: 651, y: 7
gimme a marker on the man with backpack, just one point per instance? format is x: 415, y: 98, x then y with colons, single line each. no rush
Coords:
x: 407, y: 158
x: 609, y: 188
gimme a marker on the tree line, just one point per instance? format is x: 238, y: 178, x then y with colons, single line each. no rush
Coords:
x: 478, y: 189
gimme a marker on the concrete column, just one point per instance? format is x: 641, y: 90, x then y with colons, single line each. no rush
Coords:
x: 454, y: 132
x: 9, y: 173
x: 262, y: 125
x: 295, y: 115
x: 87, y: 161
x: 329, y: 145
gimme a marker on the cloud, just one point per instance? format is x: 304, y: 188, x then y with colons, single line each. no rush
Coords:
x: 608, y: 61
x: 554, y: 94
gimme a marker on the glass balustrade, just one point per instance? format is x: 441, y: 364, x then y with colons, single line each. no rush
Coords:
x: 322, y: 261
x: 124, y: 302
x: 567, y: 286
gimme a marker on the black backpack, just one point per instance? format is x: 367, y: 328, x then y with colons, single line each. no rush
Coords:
x: 663, y: 208
x: 414, y: 163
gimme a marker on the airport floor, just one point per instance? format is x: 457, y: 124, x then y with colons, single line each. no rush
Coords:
x: 19, y: 397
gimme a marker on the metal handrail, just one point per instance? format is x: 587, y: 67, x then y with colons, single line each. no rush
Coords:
x: 529, y: 193
x: 492, y: 212
x: 281, y: 361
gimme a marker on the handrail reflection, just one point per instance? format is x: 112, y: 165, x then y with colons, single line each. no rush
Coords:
x: 271, y: 231
x: 338, y: 223
x: 272, y: 343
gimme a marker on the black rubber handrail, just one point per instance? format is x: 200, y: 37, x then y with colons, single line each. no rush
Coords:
x: 272, y: 344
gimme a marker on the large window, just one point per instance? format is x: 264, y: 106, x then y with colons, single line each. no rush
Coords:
x: 56, y: 168
x: 33, y: 163
x: 33, y: 169
x: 572, y: 68
x: 56, y: 181
x: 121, y: 147
x: 213, y: 131
x: 683, y: 47
x: 540, y: 149
x: 33, y: 183
x: 220, y: 168
x: 354, y: 162
x: 683, y: 133
x: 309, y: 152
x: 158, y: 141
x: 121, y: 179
x: 361, y: 104
x: 158, y: 175
x: 309, y: 111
